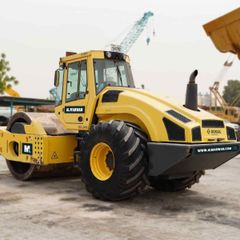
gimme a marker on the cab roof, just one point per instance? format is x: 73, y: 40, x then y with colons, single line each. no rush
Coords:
x: 71, y: 56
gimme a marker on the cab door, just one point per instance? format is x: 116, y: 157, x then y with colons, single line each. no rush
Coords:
x: 76, y: 94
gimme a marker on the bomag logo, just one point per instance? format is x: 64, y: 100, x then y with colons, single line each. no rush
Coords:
x: 214, y: 131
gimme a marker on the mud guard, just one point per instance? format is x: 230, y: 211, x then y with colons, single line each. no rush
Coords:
x: 177, y: 159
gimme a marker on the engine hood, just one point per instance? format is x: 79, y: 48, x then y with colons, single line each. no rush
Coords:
x: 148, y: 111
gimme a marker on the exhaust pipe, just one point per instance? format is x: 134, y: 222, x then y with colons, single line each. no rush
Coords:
x: 191, y: 93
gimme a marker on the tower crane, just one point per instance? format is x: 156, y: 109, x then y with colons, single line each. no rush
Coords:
x: 127, y: 42
x: 133, y: 34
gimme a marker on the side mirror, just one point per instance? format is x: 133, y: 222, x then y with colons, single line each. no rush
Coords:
x: 56, y: 78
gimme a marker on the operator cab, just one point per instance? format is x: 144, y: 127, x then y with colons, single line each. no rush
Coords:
x: 82, y: 78
x: 110, y: 70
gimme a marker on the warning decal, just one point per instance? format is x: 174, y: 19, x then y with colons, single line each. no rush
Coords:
x: 54, y: 155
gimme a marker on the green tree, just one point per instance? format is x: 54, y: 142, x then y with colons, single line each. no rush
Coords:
x: 231, y: 92
x: 5, y: 79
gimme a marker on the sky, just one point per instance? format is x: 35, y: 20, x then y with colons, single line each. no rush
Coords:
x: 35, y: 34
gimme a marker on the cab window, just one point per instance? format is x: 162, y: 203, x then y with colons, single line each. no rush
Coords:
x: 112, y: 73
x: 59, y: 87
x: 76, y: 81
x: 83, y: 79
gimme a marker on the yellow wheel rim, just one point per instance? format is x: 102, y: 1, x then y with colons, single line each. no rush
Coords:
x: 102, y: 161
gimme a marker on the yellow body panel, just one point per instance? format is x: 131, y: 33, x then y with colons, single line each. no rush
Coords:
x: 133, y: 104
x: 71, y: 121
x: 35, y: 128
x: 43, y: 149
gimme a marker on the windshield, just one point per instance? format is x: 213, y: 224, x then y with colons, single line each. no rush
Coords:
x: 112, y: 73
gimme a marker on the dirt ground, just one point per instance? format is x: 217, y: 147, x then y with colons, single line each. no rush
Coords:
x: 62, y: 209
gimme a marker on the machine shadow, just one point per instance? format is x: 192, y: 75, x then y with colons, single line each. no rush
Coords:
x: 165, y: 203
x: 151, y: 201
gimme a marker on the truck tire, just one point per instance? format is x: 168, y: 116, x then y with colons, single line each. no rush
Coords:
x: 175, y: 185
x: 21, y: 171
x: 113, y: 162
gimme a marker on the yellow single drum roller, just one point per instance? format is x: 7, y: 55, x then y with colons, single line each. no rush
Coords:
x: 121, y: 138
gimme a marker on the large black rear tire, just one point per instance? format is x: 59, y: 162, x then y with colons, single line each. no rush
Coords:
x: 174, y: 185
x: 123, y: 151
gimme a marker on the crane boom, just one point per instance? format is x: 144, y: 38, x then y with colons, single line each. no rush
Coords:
x: 133, y: 34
